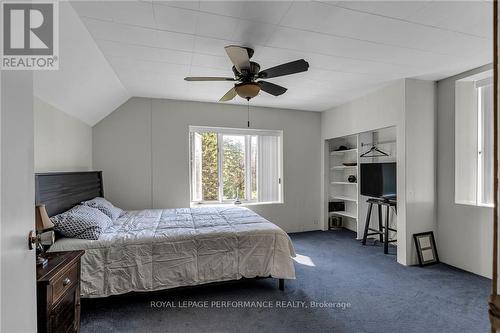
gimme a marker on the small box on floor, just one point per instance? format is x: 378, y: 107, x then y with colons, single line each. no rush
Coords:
x: 335, y: 223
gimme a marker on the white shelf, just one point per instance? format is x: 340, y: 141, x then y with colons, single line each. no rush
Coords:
x: 343, y: 183
x: 344, y: 167
x: 344, y: 198
x: 342, y: 152
x: 346, y: 214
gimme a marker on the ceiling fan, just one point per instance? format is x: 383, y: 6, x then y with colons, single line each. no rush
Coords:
x: 247, y: 73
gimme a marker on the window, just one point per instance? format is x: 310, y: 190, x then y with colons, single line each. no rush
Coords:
x: 229, y: 165
x: 474, y: 140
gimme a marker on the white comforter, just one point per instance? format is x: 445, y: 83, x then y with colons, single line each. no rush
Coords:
x: 159, y: 249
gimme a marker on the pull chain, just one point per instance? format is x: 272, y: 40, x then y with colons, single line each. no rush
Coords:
x: 248, y: 113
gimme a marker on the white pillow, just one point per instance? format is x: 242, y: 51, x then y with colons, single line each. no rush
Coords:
x: 81, y: 222
x: 104, y: 206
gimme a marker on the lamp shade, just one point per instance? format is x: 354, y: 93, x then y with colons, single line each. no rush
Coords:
x: 42, y: 219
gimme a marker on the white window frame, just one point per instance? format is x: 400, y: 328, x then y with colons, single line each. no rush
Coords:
x: 480, y: 85
x: 248, y: 133
x: 471, y: 191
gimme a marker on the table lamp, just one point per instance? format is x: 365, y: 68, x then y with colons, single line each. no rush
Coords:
x: 42, y: 237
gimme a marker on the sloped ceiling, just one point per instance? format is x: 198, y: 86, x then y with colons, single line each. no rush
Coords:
x: 85, y: 86
x: 146, y: 48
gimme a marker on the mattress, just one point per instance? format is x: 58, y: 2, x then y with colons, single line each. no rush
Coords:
x: 165, y: 248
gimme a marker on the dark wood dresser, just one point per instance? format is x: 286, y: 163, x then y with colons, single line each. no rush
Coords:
x: 58, y: 293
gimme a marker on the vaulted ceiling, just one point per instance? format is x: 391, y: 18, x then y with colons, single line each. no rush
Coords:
x: 352, y: 46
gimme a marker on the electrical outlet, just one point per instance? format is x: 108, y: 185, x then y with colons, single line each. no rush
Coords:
x: 315, y: 222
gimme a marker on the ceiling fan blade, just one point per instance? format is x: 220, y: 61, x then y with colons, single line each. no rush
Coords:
x: 293, y: 67
x: 228, y: 96
x: 239, y: 57
x: 208, y: 78
x: 272, y: 88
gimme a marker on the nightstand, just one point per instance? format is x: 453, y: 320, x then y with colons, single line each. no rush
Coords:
x: 58, y: 292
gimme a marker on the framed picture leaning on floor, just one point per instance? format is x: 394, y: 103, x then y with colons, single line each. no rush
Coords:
x: 426, y: 248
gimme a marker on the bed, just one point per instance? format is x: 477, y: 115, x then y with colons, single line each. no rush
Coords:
x: 158, y: 249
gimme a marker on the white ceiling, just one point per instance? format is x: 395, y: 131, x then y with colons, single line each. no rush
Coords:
x: 352, y: 46
x: 85, y: 86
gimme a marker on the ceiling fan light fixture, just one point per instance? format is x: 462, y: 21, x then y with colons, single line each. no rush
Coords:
x: 247, y: 90
x: 246, y: 72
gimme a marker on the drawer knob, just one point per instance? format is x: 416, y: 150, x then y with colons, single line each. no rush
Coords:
x: 66, y: 281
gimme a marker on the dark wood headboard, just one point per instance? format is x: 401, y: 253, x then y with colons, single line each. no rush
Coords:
x: 60, y: 191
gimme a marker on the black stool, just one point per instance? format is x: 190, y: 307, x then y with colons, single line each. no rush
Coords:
x: 383, y: 231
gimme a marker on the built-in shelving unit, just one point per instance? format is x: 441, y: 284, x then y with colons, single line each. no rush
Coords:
x: 336, y: 184
x: 340, y: 189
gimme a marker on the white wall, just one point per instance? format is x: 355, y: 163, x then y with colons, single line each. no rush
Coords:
x: 420, y: 162
x: 17, y: 203
x: 409, y: 105
x: 464, y: 231
x: 378, y: 109
x: 142, y: 148
x: 62, y: 142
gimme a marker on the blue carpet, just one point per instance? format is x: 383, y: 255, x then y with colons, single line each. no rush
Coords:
x: 355, y: 288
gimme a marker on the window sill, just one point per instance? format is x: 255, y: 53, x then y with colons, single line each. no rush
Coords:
x: 262, y: 203
x: 227, y: 204
x: 475, y: 205
x: 486, y: 205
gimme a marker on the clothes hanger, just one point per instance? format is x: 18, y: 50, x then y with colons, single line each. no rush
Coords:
x: 378, y: 153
